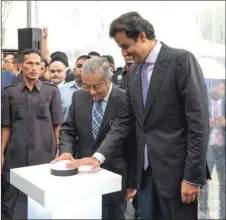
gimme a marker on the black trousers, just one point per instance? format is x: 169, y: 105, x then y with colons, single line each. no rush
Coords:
x: 113, y: 206
x: 155, y: 206
x: 12, y: 197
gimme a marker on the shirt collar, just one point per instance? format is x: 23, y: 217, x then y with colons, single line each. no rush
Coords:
x: 106, y: 98
x: 153, y: 55
x: 60, y: 84
x: 74, y: 84
x: 37, y: 85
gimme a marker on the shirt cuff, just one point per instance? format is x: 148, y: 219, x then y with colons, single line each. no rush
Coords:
x: 192, y: 183
x: 99, y: 157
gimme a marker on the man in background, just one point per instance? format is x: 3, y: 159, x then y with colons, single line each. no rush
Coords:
x: 62, y: 57
x: 111, y: 62
x: 94, y: 54
x: 120, y: 76
x: 7, y: 79
x: 67, y: 90
x: 44, y: 76
x: 57, y: 73
x: 216, y: 149
x: 78, y: 68
x: 55, y: 56
x: 11, y: 63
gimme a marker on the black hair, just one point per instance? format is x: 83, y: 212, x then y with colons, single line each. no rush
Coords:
x: 132, y: 24
x: 27, y: 52
x: 109, y: 58
x: 59, y: 56
x: 52, y: 61
x: 83, y: 57
x: 94, y: 53
x: 16, y: 58
x: 45, y: 61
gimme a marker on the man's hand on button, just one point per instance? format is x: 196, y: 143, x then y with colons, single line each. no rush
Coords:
x: 91, y: 161
x: 64, y: 156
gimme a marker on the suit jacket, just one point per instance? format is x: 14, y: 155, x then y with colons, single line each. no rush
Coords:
x: 77, y: 131
x: 174, y: 122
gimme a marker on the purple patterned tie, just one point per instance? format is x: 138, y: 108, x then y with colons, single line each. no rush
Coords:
x: 145, y: 85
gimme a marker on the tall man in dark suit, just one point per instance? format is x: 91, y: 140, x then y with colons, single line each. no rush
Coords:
x: 90, y: 117
x: 167, y: 96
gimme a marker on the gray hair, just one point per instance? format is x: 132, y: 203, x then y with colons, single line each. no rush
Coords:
x: 98, y: 65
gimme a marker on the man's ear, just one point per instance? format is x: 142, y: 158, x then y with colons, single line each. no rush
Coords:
x: 142, y: 37
x: 20, y: 66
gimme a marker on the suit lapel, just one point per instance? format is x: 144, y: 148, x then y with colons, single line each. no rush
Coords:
x: 159, y: 71
x: 109, y: 111
x: 136, y: 87
x: 88, y: 106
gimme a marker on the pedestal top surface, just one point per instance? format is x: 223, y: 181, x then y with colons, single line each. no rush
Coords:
x: 38, y: 183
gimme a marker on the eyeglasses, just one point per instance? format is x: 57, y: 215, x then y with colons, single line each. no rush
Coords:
x: 94, y: 87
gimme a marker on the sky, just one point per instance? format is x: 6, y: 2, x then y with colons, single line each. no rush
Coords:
x: 78, y: 27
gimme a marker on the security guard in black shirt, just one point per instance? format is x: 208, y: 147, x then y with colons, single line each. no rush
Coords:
x: 31, y: 116
x: 120, y: 75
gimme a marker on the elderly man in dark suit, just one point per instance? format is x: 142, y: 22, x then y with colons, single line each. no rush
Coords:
x: 168, y: 98
x: 91, y: 114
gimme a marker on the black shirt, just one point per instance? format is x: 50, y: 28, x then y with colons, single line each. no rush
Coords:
x: 120, y: 77
x: 32, y: 116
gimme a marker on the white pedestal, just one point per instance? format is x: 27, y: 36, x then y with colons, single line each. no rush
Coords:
x: 73, y: 197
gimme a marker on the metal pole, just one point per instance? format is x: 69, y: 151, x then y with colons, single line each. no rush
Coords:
x: 29, y: 14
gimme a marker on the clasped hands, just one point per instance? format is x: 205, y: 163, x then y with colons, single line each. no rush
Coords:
x: 75, y: 163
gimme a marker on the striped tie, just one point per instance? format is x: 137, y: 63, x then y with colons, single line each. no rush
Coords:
x: 98, y: 114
